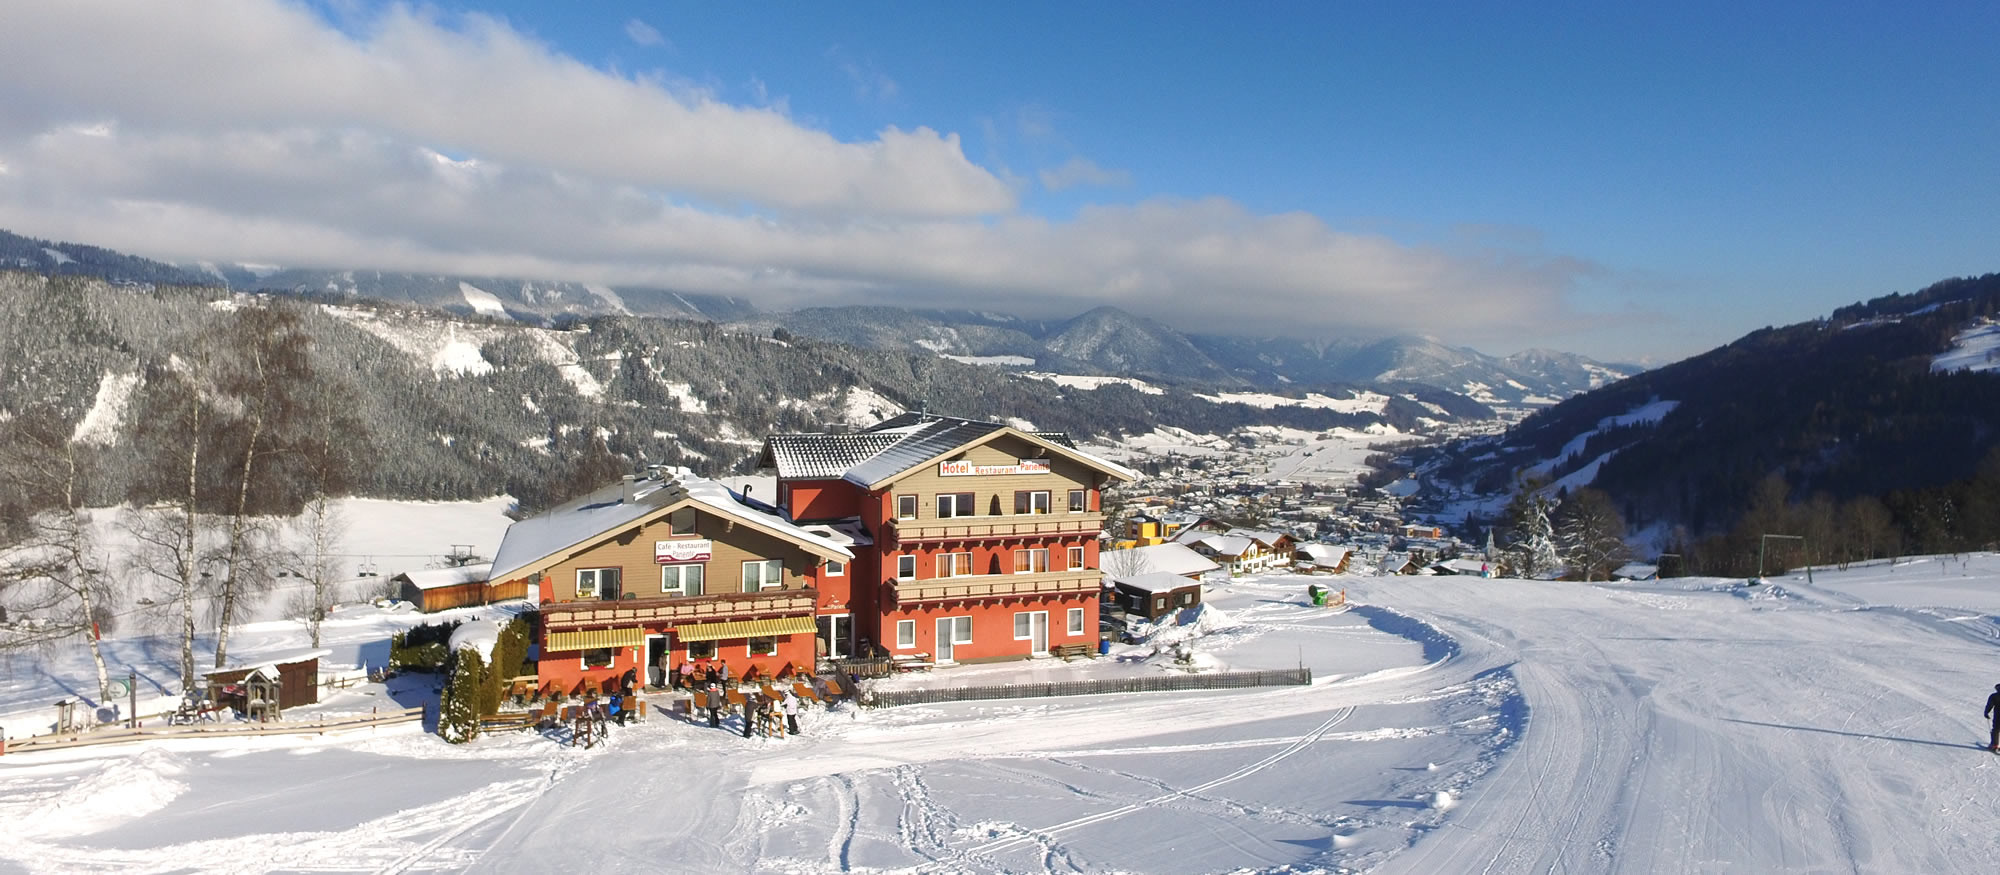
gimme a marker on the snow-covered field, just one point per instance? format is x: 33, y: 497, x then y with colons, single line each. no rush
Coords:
x: 1454, y: 725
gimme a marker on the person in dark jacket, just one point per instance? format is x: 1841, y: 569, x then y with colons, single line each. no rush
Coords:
x: 751, y: 706
x: 715, y: 702
x: 1993, y: 713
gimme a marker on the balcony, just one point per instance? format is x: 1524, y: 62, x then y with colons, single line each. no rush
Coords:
x: 716, y: 608
x: 998, y: 586
x: 1018, y: 525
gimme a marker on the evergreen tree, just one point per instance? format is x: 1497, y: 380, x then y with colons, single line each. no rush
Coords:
x: 458, y: 707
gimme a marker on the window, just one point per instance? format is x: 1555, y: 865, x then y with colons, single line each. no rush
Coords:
x: 961, y: 630
x: 906, y: 634
x: 1031, y: 561
x: 1187, y: 598
x: 1075, y: 621
x: 955, y: 505
x: 763, y: 646
x: 598, y: 658
x: 1024, y: 627
x: 597, y: 583
x: 906, y: 567
x: 682, y: 521
x: 1031, y: 502
x: 1079, y: 501
x: 1160, y: 604
x: 760, y: 574
x: 954, y: 564
x: 1075, y: 558
x: 836, y: 568
x: 681, y: 579
x: 701, y: 650
x: 906, y: 507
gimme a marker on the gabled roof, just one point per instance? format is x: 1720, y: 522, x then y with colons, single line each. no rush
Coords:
x: 1175, y: 559
x: 432, y: 578
x: 1267, y: 538
x: 606, y: 511
x: 1226, y: 545
x: 893, y: 447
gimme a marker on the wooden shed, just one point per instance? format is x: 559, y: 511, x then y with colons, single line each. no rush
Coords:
x: 263, y: 690
x: 1156, y: 594
x: 437, y: 589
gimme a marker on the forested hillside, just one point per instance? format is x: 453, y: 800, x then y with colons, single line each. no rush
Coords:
x: 1847, y: 414
x: 408, y: 403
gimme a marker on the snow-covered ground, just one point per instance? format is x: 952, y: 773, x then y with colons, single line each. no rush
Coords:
x: 1454, y: 725
x: 1977, y: 348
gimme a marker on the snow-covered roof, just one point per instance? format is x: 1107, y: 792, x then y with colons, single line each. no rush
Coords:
x: 1328, y: 555
x: 272, y: 661
x: 1261, y: 536
x: 606, y: 510
x: 897, y: 445
x: 1156, y: 581
x: 846, y: 532
x: 1176, y: 559
x: 1636, y: 571
x: 432, y: 578
x: 1462, y: 565
x: 1226, y: 545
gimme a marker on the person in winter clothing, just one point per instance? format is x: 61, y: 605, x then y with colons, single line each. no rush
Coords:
x: 629, y: 683
x: 1993, y: 713
x: 715, y: 702
x: 725, y: 672
x: 791, y: 708
x: 751, y: 708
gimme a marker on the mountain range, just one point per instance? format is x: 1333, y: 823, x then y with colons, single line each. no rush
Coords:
x: 1104, y: 341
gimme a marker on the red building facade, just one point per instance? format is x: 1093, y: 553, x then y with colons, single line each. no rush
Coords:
x: 974, y: 541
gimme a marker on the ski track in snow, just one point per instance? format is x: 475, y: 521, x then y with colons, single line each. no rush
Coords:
x: 1456, y: 725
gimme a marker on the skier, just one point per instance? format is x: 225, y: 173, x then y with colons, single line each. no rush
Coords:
x: 1993, y: 712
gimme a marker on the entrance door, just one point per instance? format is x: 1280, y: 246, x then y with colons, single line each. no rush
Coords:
x: 944, y: 628
x: 835, y: 631
x: 656, y: 647
x: 1038, y: 631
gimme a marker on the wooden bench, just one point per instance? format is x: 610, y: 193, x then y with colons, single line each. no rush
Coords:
x: 510, y: 720
x: 1071, y: 651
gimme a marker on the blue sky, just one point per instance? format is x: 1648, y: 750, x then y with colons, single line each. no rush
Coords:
x: 1630, y: 181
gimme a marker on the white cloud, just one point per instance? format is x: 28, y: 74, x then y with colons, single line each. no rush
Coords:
x: 1079, y: 170
x: 252, y: 131
x: 870, y: 83
x: 644, y: 34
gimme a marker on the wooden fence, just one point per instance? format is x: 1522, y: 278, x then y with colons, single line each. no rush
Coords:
x: 120, y: 736
x: 1226, y: 680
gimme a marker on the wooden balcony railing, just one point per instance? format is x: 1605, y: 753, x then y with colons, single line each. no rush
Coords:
x: 718, y: 607
x: 993, y: 586
x: 1018, y: 525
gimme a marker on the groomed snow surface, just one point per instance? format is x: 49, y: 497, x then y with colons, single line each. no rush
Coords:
x: 1454, y: 725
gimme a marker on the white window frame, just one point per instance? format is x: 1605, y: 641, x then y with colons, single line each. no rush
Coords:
x: 949, y: 565
x: 914, y: 504
x: 750, y: 646
x: 958, y: 623
x: 1030, y: 554
x: 596, y: 581
x: 906, y: 567
x: 1076, y: 558
x: 1024, y: 625
x: 1046, y: 500
x: 963, y: 504
x: 1075, y: 622
x: 583, y: 658
x: 679, y: 570
x: 763, y: 566
x: 836, y: 568
x: 1079, y: 500
x: 906, y: 634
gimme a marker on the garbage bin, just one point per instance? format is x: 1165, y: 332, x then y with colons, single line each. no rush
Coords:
x: 1318, y: 594
x: 1103, y: 647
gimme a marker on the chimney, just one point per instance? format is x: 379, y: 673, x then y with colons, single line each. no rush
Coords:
x: 631, y: 483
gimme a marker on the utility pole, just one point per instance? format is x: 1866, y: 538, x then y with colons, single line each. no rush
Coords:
x: 1766, y: 539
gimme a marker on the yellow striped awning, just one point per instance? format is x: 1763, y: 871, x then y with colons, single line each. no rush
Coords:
x: 744, y: 629
x: 592, y: 639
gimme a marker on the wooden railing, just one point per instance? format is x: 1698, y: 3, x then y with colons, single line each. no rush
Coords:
x: 679, y: 609
x: 981, y: 586
x: 1020, y: 525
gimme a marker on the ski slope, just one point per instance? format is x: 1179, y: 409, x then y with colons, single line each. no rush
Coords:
x: 1455, y: 725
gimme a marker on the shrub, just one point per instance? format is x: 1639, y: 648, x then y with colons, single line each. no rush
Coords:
x: 458, y: 708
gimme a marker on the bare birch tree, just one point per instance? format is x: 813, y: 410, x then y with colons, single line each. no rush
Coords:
x: 55, y: 576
